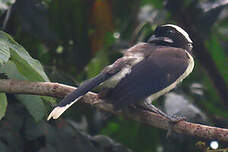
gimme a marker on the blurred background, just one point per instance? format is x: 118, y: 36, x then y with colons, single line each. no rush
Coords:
x: 75, y: 39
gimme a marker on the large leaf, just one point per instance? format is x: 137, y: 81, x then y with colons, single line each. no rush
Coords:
x: 10, y: 69
x: 4, y: 53
x: 3, y: 105
x: 34, y: 104
x: 26, y: 65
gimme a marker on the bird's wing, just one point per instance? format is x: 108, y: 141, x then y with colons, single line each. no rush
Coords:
x: 162, y: 68
x: 73, y: 97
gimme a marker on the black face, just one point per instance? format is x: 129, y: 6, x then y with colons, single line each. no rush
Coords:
x: 171, y: 35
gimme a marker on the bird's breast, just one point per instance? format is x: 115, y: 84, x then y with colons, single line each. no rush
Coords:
x: 173, y: 85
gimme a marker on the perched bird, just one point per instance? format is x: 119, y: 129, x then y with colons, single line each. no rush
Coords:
x: 145, y: 72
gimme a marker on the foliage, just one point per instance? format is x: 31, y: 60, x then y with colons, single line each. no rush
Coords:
x: 75, y: 39
x: 18, y: 64
x: 26, y: 65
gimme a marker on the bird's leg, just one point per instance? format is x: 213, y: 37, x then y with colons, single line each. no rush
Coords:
x: 154, y: 109
x: 151, y: 107
x: 172, y: 119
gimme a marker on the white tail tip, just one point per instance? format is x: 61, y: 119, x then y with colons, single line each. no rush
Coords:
x: 58, y: 111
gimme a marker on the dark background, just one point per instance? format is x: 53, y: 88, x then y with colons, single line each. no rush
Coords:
x: 75, y: 39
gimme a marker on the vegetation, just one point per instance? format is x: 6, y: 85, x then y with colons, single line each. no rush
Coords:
x: 71, y: 41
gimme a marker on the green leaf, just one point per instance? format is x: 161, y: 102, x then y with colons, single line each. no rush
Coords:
x: 26, y: 68
x: 4, y: 53
x: 3, y: 105
x: 10, y: 69
x: 34, y: 105
x: 49, y: 99
x: 26, y: 65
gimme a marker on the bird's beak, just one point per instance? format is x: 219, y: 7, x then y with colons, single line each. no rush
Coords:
x: 154, y: 39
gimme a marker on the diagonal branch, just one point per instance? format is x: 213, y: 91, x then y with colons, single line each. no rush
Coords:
x: 142, y: 116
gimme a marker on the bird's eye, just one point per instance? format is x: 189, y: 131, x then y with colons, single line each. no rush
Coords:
x: 170, y: 31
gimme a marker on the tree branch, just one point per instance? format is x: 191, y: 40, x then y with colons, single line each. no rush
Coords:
x: 140, y: 115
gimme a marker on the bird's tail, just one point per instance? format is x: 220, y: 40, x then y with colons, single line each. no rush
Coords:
x: 58, y: 111
x: 82, y: 90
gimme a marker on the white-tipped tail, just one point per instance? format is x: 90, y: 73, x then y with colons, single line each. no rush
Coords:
x: 58, y: 111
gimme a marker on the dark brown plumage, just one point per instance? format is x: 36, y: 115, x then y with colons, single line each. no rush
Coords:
x: 146, y: 71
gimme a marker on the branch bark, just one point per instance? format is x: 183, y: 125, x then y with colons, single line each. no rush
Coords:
x: 143, y: 116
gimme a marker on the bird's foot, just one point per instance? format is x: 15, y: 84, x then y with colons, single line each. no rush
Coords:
x: 154, y: 109
x: 176, y: 118
x: 172, y: 120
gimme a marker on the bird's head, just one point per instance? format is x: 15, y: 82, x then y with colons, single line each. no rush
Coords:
x: 171, y: 35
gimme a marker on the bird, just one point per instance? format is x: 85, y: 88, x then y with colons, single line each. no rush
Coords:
x: 145, y: 72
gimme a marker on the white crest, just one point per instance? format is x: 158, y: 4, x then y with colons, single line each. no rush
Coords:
x: 179, y: 29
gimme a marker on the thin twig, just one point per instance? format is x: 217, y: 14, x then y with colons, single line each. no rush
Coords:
x: 7, y: 17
